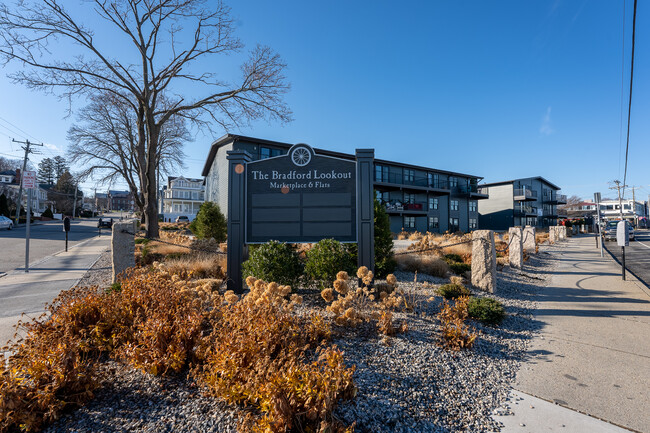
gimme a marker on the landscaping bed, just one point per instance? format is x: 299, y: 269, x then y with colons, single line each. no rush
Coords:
x: 406, y: 382
x: 346, y: 359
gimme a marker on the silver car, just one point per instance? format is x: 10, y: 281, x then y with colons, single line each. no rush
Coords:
x: 6, y: 223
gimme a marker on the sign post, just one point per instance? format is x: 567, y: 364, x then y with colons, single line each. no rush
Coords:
x: 29, y: 182
x: 66, y: 229
x: 598, y: 228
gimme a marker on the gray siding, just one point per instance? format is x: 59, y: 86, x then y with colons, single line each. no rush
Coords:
x: 497, y: 212
x: 216, y: 183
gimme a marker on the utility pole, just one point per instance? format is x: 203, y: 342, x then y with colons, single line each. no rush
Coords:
x: 27, y: 149
x: 74, y: 206
x: 618, y: 187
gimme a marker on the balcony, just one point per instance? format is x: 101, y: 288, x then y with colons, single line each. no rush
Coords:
x: 397, y: 208
x: 525, y: 194
x: 421, y: 183
x: 553, y: 198
x: 525, y: 210
x: 474, y: 191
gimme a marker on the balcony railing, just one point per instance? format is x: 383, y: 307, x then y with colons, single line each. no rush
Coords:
x: 521, y: 194
x: 421, y: 181
x: 392, y: 207
x: 525, y: 210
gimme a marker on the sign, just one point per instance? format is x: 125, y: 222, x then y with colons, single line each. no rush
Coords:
x: 597, y: 197
x: 29, y: 179
x: 622, y: 234
x: 301, y: 197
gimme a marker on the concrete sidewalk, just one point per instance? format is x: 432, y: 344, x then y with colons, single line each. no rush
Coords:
x: 28, y: 293
x: 592, y: 354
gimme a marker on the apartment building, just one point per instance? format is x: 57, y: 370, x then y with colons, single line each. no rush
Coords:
x: 529, y: 201
x: 416, y: 197
x: 181, y: 196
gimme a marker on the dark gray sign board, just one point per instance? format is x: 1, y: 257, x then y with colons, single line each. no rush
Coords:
x: 301, y: 197
x: 297, y: 198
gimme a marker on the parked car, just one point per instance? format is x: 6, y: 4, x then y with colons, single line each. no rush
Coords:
x: 182, y: 219
x: 609, y: 233
x: 106, y: 223
x: 6, y: 223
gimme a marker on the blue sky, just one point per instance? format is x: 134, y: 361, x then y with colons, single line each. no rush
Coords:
x: 502, y: 89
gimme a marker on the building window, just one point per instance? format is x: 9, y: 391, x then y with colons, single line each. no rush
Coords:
x: 473, y: 224
x: 433, y: 203
x: 433, y: 180
x: 454, y: 205
x: 381, y: 173
x: 409, y: 175
x: 453, y: 182
x: 409, y: 222
x: 433, y: 223
x: 473, y: 205
x: 409, y: 198
x: 265, y: 152
x: 382, y: 196
x: 454, y: 225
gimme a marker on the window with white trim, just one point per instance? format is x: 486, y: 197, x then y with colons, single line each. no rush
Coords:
x: 473, y: 206
x: 409, y: 222
x: 433, y: 203
x: 473, y: 223
x: 454, y: 205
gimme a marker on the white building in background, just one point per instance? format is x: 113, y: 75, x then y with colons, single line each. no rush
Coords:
x: 632, y: 210
x: 181, y: 196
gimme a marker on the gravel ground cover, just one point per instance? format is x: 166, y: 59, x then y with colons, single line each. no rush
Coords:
x: 406, y: 383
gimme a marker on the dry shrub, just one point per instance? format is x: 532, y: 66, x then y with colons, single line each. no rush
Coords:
x: 415, y: 236
x: 165, y: 322
x: 430, y: 265
x: 49, y: 372
x: 385, y: 325
x: 439, y: 245
x: 196, y: 266
x: 175, y: 237
x: 541, y: 237
x: 456, y: 334
x: 257, y: 354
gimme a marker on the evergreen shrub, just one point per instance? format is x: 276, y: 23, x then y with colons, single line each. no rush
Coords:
x: 487, y: 310
x: 384, y: 261
x: 209, y: 222
x: 325, y: 259
x: 273, y: 261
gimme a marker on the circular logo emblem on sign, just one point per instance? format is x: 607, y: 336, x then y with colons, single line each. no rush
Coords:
x: 300, y: 155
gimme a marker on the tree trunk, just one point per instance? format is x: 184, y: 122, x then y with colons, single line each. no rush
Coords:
x: 149, y: 191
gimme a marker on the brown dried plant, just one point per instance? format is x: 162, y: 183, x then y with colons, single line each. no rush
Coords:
x: 455, y: 333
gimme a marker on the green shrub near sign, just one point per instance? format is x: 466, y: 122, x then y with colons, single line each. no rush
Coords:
x: 384, y: 261
x: 325, y: 259
x: 209, y: 223
x: 273, y: 261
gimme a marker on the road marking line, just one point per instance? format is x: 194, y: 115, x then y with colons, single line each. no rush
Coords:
x: 641, y: 243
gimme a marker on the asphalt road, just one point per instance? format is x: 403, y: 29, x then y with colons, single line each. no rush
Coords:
x: 45, y: 240
x: 637, y: 255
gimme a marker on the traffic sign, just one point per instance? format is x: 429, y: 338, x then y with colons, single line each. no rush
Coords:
x: 29, y: 179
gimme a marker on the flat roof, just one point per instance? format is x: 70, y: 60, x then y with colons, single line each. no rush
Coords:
x: 504, y: 182
x: 228, y: 138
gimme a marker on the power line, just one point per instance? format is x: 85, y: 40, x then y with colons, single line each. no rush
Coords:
x: 620, y: 132
x: 629, y: 107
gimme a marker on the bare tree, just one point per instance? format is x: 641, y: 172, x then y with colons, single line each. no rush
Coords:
x: 172, y: 40
x: 104, y: 144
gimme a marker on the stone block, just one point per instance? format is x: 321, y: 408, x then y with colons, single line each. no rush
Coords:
x: 562, y: 235
x: 515, y: 247
x: 123, y: 246
x: 552, y: 235
x: 484, y: 260
x: 529, y: 239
